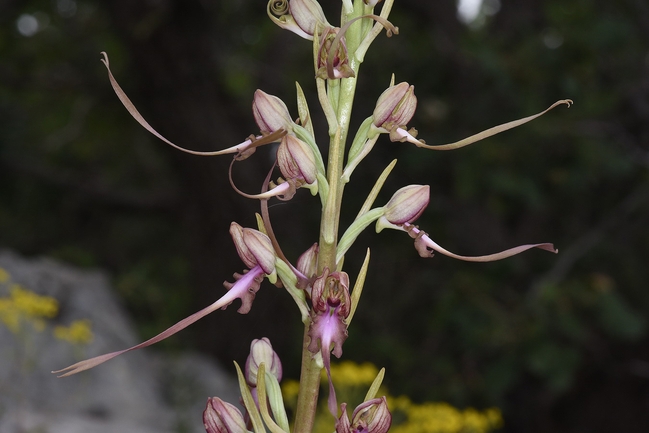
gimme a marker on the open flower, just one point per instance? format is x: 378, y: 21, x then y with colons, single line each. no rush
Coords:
x: 333, y: 59
x: 255, y: 249
x: 328, y: 330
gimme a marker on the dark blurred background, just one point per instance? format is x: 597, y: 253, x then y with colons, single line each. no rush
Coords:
x: 559, y: 343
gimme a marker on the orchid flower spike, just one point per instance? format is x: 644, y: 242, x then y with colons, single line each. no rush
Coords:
x: 256, y: 251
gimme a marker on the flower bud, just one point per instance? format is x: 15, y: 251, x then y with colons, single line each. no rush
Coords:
x: 254, y: 248
x: 407, y: 204
x: 307, y: 15
x: 222, y: 417
x: 307, y: 263
x: 372, y: 416
x: 395, y: 106
x: 270, y: 113
x: 296, y: 160
x: 261, y: 351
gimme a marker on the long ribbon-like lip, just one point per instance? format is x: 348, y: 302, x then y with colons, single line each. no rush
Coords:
x: 481, y: 135
x: 425, y: 244
x: 238, y: 290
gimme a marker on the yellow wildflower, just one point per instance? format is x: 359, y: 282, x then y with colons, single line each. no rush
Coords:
x: 78, y: 332
x: 4, y: 275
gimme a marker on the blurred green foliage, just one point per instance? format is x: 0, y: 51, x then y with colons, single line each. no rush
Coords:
x: 549, y: 339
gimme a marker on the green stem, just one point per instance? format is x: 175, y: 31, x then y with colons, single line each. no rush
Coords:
x: 344, y: 93
x: 307, y: 401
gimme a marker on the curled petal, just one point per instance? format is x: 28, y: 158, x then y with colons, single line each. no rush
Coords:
x: 425, y: 245
x: 283, y: 191
x: 278, y: 12
x: 244, y: 289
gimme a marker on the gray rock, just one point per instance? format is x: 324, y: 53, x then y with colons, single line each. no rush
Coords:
x: 138, y: 392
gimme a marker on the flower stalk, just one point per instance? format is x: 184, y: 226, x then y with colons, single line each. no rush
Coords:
x: 317, y: 282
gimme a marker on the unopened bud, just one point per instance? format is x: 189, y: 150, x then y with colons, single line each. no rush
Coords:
x: 307, y: 263
x: 308, y: 14
x: 407, y: 204
x: 222, y: 417
x: 296, y: 160
x: 261, y: 351
x: 372, y: 416
x: 270, y: 113
x: 395, y: 106
x: 254, y: 247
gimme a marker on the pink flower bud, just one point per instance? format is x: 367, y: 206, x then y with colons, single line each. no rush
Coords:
x: 222, y: 417
x: 296, y: 160
x: 407, y: 204
x: 307, y: 15
x: 371, y: 416
x: 261, y: 351
x: 307, y: 263
x: 270, y: 113
x: 395, y: 106
x: 254, y: 247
